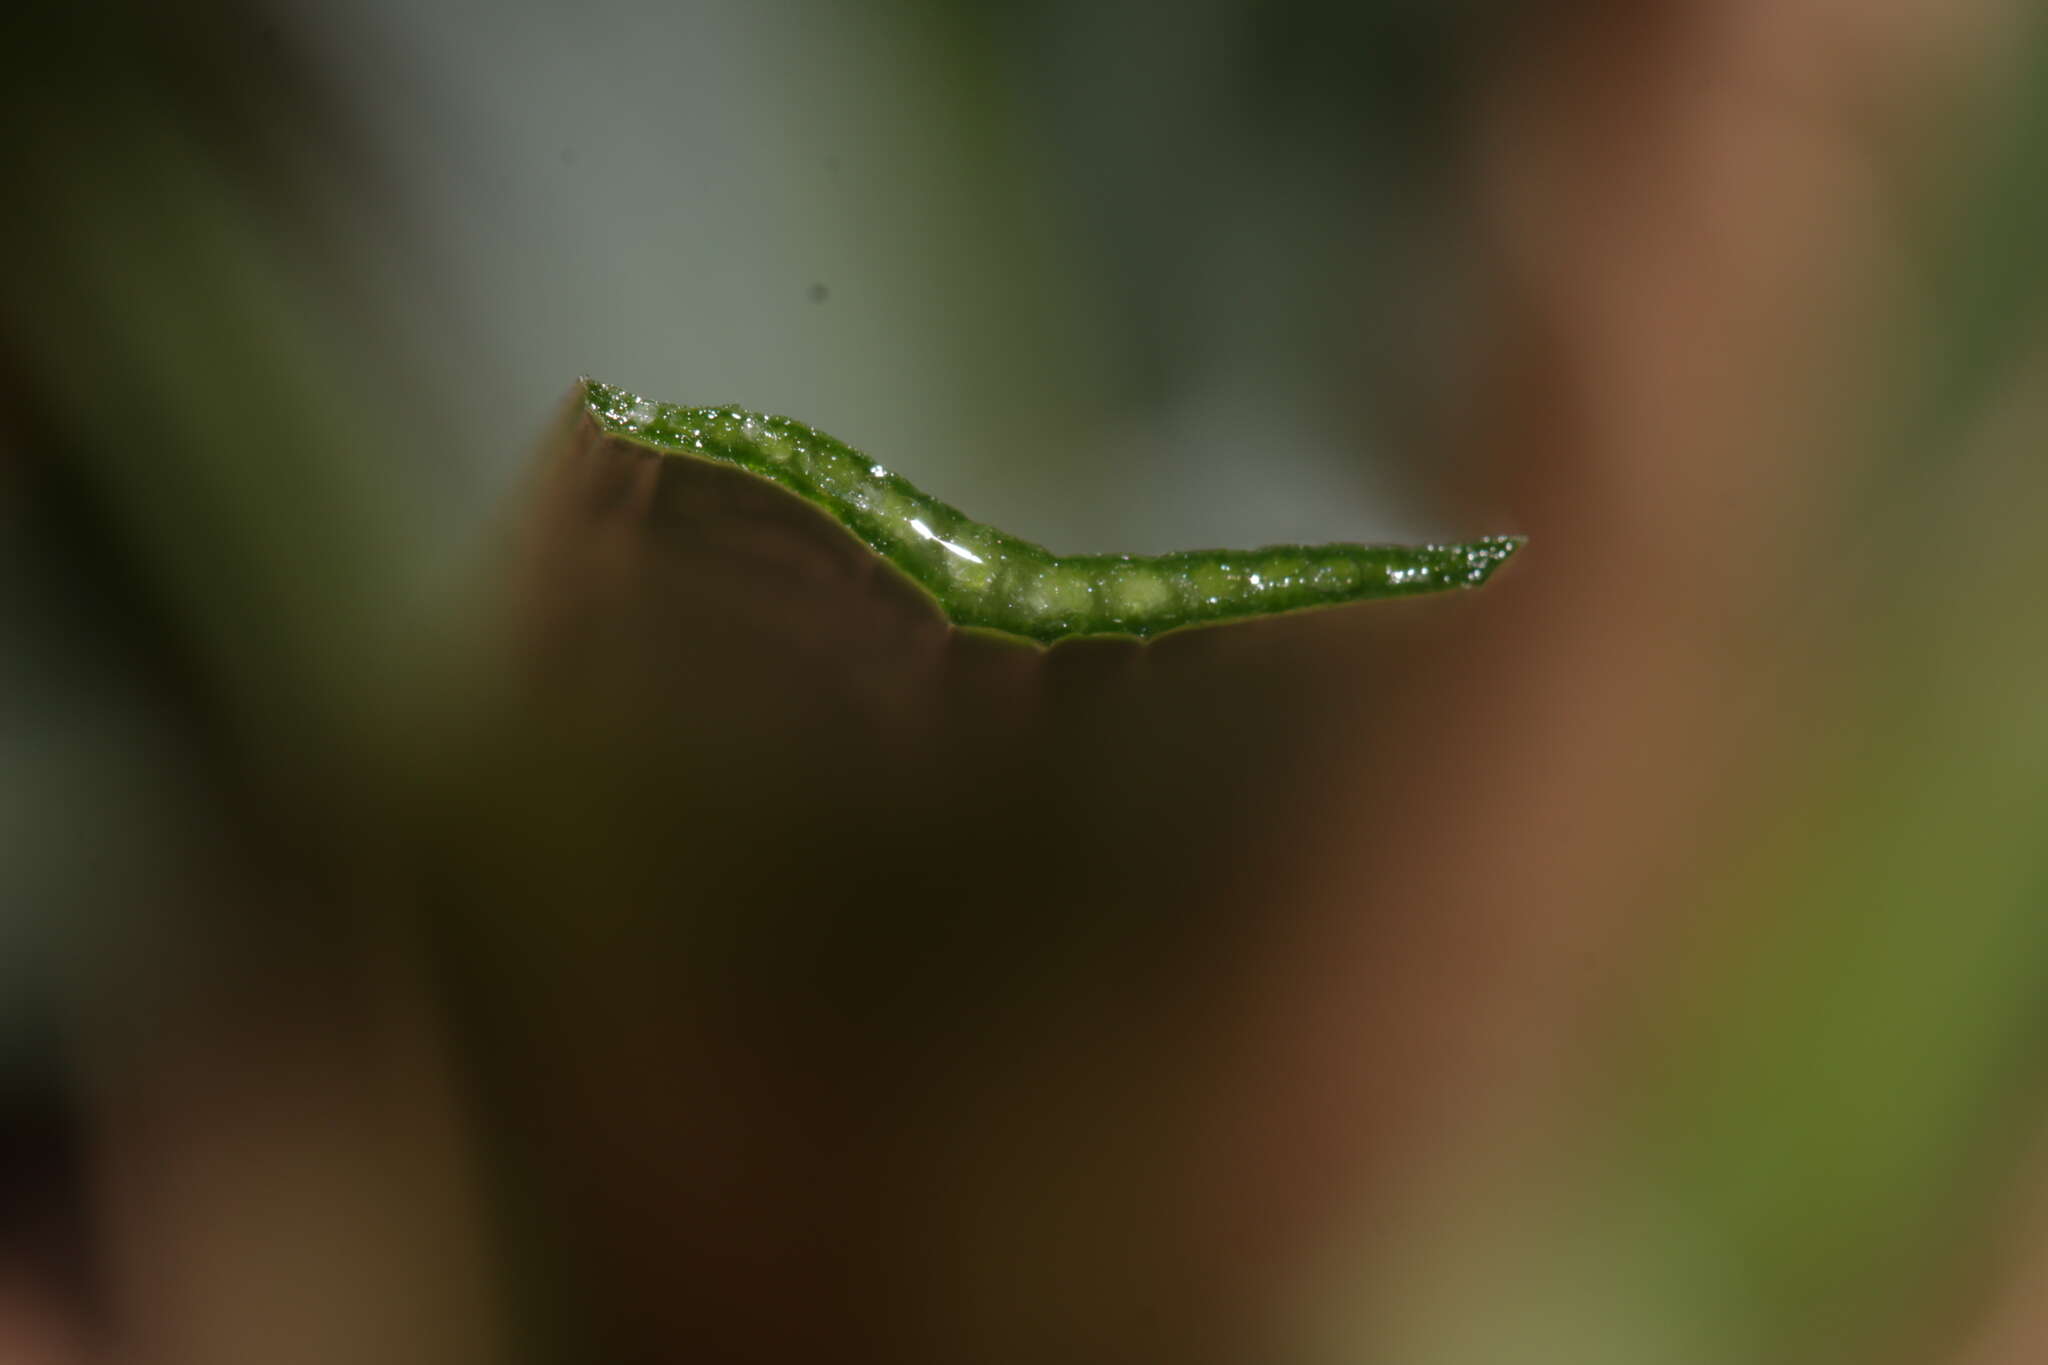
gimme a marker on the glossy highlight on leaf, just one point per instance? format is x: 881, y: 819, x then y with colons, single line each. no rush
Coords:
x: 987, y: 579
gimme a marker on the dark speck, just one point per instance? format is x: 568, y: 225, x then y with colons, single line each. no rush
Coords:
x: 819, y: 293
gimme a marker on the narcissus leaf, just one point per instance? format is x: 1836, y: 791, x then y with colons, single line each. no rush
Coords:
x: 987, y: 579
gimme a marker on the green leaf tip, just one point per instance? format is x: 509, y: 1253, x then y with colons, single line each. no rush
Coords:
x: 987, y: 579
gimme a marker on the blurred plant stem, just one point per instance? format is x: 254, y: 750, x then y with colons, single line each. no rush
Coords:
x: 1823, y: 1077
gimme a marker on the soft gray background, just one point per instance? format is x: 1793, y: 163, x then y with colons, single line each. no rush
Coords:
x: 1111, y: 276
